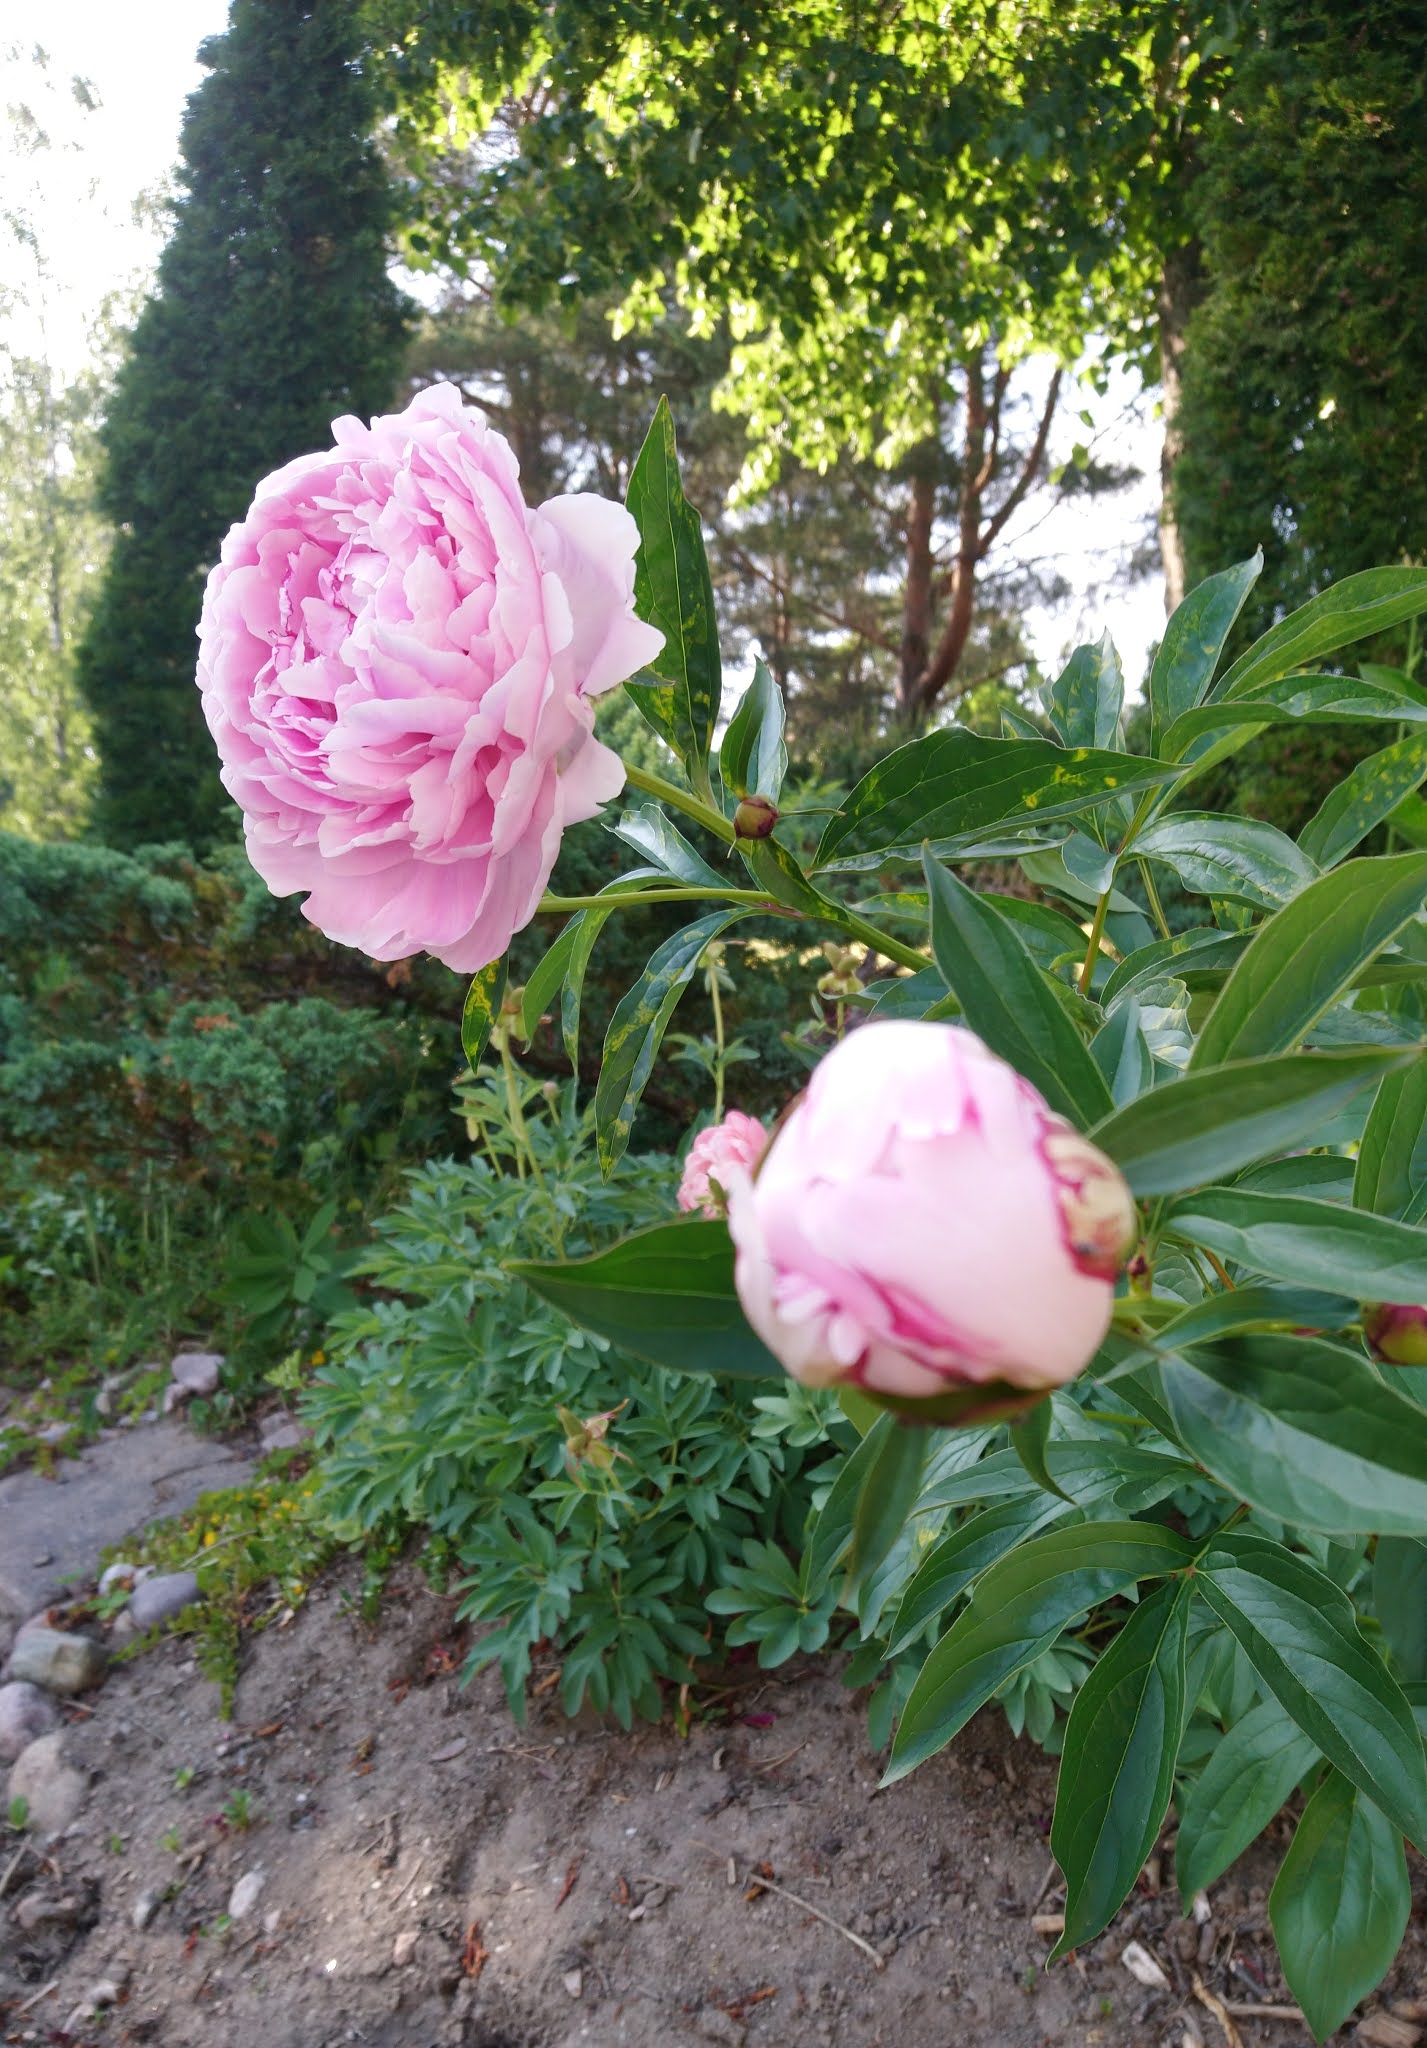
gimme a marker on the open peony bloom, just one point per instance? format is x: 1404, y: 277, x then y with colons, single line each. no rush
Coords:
x: 718, y: 1156
x: 925, y: 1228
x: 397, y: 659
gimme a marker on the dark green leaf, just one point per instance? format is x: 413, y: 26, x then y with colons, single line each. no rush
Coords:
x: 585, y: 928
x: 1239, y: 858
x: 885, y: 1498
x: 1304, y: 1430
x: 1352, y: 610
x: 1300, y: 1633
x: 1017, y: 1611
x: 1193, y: 641
x: 665, y: 1293
x: 1089, y: 1469
x: 650, y: 832
x: 1369, y: 793
x: 481, y: 1008
x: 1204, y: 1126
x: 637, y: 1028
x: 1296, y: 700
x: 1304, y: 956
x: 1246, y: 1780
x: 674, y: 591
x: 912, y: 996
x: 959, y: 1557
x: 753, y: 759
x: 1117, y: 1771
x: 1257, y: 1308
x: 1008, y: 1000
x: 1392, y: 1158
x: 1188, y: 957
x: 1313, y: 1243
x: 1030, y: 1436
x: 1399, y: 1598
x: 546, y: 978
x: 1339, y: 1904
x: 1085, y: 700
x: 950, y: 785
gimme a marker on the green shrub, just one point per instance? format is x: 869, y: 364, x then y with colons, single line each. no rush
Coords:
x: 581, y: 1494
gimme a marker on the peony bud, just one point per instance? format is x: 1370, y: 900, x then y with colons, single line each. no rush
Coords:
x: 924, y: 1227
x: 755, y: 818
x: 1397, y: 1333
x: 719, y: 1156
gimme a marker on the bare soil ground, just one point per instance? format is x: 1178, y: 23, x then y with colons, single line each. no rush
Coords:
x: 434, y: 1875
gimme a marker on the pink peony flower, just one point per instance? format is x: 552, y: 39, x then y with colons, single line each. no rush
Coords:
x: 718, y: 1156
x: 397, y: 659
x: 924, y: 1225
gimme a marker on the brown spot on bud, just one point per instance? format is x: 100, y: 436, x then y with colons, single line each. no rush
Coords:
x: 1096, y: 1207
x: 755, y: 818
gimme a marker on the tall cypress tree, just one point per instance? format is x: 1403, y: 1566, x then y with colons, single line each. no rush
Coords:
x: 272, y: 313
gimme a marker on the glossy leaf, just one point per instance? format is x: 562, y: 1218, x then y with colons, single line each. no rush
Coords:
x: 1399, y: 1598
x: 1193, y: 642
x: 546, y: 979
x: 885, y: 1498
x: 1030, y: 1439
x: 1017, y: 1611
x: 673, y: 590
x: 1250, y: 1774
x: 1205, y: 1126
x: 1008, y: 1001
x: 1257, y: 1308
x: 1304, y: 1430
x: 1354, y: 609
x: 1310, y: 1242
x: 586, y: 927
x: 1392, y: 1158
x: 1121, y: 1051
x: 480, y: 1010
x: 1202, y: 951
x: 1367, y: 794
x: 1295, y: 700
x: 665, y: 1293
x: 650, y: 832
x: 958, y: 1558
x: 637, y: 1028
x: 1299, y: 1632
x: 753, y: 759
x: 1339, y: 1904
x: 1117, y: 1768
x: 950, y: 785
x: 1089, y: 1469
x: 1304, y: 956
x: 1086, y: 698
x: 1240, y: 858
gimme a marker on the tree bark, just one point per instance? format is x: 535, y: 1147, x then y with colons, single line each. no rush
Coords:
x: 1180, y: 290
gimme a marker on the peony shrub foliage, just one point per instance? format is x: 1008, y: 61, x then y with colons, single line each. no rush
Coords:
x: 1105, y: 1228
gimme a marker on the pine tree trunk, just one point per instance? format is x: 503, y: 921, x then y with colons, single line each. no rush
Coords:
x: 1181, y: 288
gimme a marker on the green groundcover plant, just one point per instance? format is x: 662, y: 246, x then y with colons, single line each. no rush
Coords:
x: 1168, y: 1428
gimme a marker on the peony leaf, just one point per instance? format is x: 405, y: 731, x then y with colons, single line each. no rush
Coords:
x: 1309, y: 1242
x: 1193, y: 641
x: 1354, y: 609
x: 666, y: 1294
x: 1239, y: 1791
x: 1086, y: 698
x: 1391, y: 1169
x: 481, y: 1008
x: 673, y: 590
x: 1371, y: 792
x: 1340, y: 1903
x: 753, y: 759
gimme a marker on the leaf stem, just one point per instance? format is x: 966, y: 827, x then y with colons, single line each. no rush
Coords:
x: 637, y: 898
x: 1156, y: 907
x: 681, y: 800
x: 1092, y: 951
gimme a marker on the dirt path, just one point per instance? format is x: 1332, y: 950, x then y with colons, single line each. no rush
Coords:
x: 428, y: 1873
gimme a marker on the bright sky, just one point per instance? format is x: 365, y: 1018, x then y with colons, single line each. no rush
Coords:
x: 139, y: 56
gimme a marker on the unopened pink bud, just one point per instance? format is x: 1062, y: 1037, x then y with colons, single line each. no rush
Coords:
x: 1397, y: 1333
x: 925, y: 1228
x: 755, y: 818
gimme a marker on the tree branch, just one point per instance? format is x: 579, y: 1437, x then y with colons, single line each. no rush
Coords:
x: 1030, y: 469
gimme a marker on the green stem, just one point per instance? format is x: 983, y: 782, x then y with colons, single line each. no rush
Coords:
x: 680, y: 800
x: 1156, y: 907
x: 880, y: 941
x: 1092, y: 951
x: 636, y: 898
x: 718, y: 1040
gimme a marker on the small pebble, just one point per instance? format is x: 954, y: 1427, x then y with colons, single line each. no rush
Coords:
x: 245, y: 1894
x: 145, y: 1906
x: 404, y: 1947
x: 26, y: 1714
x: 160, y: 1599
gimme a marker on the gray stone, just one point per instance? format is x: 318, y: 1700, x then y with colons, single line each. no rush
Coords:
x: 145, y: 1906
x: 404, y: 1947
x: 60, y: 1663
x: 52, y: 1790
x: 162, y: 1598
x: 97, y: 1499
x: 123, y: 1575
x: 26, y: 1714
x: 245, y: 1894
x: 197, y: 1371
x: 281, y: 1433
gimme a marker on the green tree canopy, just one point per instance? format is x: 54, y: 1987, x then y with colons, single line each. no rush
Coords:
x: 273, y: 313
